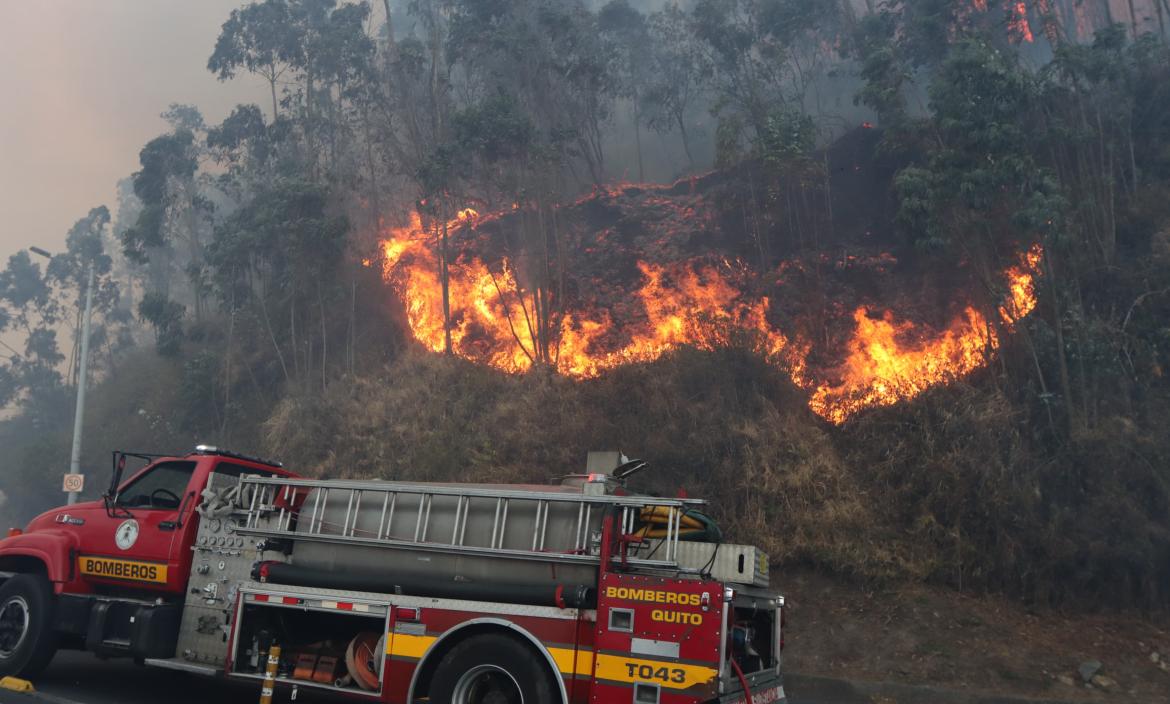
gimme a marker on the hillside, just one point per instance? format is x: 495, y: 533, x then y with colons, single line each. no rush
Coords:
x: 899, y: 306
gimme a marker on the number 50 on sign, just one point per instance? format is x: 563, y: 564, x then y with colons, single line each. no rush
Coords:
x: 73, y: 482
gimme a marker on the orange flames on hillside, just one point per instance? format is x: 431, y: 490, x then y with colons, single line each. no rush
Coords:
x: 683, y: 306
x: 882, y: 368
x: 1015, y: 16
x: 492, y: 317
x: 693, y: 303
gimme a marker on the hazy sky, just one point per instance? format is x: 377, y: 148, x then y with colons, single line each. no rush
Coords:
x: 82, y: 84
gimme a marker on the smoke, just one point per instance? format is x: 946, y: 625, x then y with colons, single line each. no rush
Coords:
x: 83, y: 87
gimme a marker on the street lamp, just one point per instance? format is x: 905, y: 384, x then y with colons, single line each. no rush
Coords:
x: 79, y: 413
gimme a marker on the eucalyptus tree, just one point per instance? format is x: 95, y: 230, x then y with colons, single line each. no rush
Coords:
x: 257, y: 38
x: 547, y: 55
x: 627, y: 36
x: 279, y: 255
x: 36, y: 305
x: 676, y: 77
x: 168, y: 236
x: 764, y: 55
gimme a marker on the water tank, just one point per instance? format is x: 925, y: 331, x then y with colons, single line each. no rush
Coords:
x: 458, y: 518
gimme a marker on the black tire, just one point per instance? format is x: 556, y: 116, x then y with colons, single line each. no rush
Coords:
x: 27, y: 640
x: 493, y: 669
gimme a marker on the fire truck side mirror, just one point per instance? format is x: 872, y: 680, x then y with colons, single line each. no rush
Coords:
x: 628, y: 469
x: 119, y: 463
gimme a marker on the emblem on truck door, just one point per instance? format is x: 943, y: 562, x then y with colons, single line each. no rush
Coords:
x: 127, y: 534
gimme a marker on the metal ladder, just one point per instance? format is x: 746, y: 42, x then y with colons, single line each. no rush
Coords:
x: 267, y: 501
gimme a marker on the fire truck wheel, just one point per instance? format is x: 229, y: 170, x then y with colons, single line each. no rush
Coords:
x: 27, y: 641
x: 492, y: 669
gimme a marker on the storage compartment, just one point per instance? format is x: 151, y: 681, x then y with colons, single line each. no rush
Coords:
x: 753, y: 639
x: 324, y: 643
x: 736, y: 564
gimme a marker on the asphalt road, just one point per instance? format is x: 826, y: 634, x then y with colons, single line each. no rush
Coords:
x: 81, y: 678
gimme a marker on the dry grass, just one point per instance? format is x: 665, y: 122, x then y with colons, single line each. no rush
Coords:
x: 720, y: 425
x: 950, y: 489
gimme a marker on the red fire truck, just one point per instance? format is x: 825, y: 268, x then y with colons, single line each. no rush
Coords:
x: 222, y: 564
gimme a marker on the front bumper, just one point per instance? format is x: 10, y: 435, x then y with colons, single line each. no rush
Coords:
x: 767, y: 692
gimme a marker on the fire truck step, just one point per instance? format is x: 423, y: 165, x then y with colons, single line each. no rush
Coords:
x: 183, y: 666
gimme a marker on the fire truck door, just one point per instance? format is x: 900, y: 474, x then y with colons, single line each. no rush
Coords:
x: 137, y: 544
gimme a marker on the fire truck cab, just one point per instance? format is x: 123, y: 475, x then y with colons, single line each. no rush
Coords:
x: 221, y: 564
x: 96, y: 569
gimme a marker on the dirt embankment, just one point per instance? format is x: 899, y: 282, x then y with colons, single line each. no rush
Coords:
x: 929, y: 636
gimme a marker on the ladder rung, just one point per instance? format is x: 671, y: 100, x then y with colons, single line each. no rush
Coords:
x: 496, y: 522
x: 348, y: 511
x: 324, y: 507
x: 382, y: 518
x: 427, y: 520
x: 390, y: 516
x: 536, y: 525
x: 543, y: 528
x: 357, y: 507
x: 458, y: 513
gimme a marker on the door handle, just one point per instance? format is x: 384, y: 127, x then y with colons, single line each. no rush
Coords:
x: 167, y: 525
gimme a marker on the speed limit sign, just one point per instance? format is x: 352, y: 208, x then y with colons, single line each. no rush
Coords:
x: 73, y: 483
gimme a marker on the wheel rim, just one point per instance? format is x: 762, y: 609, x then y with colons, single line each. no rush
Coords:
x: 14, y: 622
x: 487, y: 684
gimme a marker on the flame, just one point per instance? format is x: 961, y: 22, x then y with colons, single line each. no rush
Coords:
x: 683, y: 306
x: 491, y: 320
x: 890, y: 361
x: 482, y: 322
x: 693, y: 302
x: 1015, y: 14
x: 1018, y: 25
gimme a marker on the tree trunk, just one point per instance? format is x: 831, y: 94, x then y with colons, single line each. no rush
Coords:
x: 272, y: 336
x: 272, y: 87
x: 436, y: 51
x: 682, y: 130
x: 310, y: 127
x: 638, y: 139
x: 292, y: 326
x: 324, y: 339
x: 1061, y: 356
x: 391, y: 44
x: 546, y: 289
x: 372, y: 166
x: 227, y: 368
x: 444, y: 274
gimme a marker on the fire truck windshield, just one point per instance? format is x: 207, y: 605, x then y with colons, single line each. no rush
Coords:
x: 161, y: 487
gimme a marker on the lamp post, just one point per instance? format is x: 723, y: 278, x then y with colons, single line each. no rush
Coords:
x: 79, y: 412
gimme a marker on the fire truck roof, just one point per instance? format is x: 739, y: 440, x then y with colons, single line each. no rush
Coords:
x: 223, y: 452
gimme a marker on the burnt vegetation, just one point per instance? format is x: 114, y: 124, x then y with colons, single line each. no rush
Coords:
x: 845, y: 183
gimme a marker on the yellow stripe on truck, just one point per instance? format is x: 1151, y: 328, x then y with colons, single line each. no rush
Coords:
x: 614, y: 668
x: 131, y: 570
x: 572, y: 662
x: 568, y: 660
x: 405, y: 645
